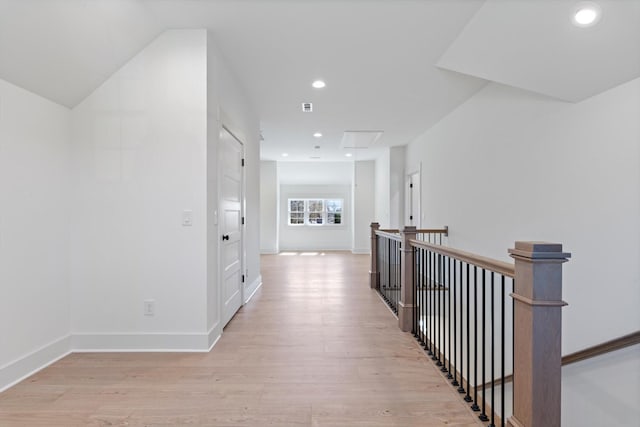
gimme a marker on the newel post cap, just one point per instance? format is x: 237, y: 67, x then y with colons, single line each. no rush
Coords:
x: 539, y: 251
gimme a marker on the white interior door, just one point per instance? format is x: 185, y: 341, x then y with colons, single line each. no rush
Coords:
x: 231, y: 250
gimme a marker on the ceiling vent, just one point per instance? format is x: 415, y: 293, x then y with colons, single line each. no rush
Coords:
x: 360, y: 138
x: 307, y: 107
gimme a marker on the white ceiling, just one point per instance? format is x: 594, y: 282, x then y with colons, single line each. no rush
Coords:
x: 534, y: 45
x: 392, y: 65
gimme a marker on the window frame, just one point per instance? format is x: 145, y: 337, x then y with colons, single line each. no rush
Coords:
x: 324, y: 212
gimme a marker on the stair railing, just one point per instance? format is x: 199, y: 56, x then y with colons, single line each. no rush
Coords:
x: 483, y: 320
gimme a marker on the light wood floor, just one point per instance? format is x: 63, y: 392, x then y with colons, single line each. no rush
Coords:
x: 314, y: 347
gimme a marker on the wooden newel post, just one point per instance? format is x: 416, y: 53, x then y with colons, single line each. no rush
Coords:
x: 537, y: 353
x: 374, y: 274
x: 407, y: 267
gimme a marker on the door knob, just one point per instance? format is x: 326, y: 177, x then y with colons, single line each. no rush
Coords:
x: 225, y: 237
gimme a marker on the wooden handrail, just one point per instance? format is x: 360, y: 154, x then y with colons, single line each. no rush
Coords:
x: 389, y: 235
x: 600, y: 349
x: 444, y: 230
x: 588, y: 353
x: 501, y: 267
x: 389, y: 230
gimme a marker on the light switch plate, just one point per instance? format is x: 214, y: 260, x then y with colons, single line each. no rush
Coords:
x: 187, y: 218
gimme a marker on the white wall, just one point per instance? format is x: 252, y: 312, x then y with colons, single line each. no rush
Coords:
x: 269, y: 196
x: 139, y: 159
x: 237, y: 114
x: 510, y: 165
x: 315, y: 179
x: 34, y: 232
x: 306, y: 237
x: 389, y: 188
x: 363, y: 204
x: 228, y: 106
x: 397, y: 180
x: 603, y: 390
x: 315, y: 173
x: 382, y: 190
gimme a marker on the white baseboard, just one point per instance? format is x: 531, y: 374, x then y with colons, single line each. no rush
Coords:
x: 268, y: 252
x: 361, y: 251
x: 253, y: 288
x: 214, y: 335
x: 16, y: 371
x: 152, y: 342
x: 315, y: 250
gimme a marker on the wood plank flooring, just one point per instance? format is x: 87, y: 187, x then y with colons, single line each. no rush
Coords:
x: 314, y: 347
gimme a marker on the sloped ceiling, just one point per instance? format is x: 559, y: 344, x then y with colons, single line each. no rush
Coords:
x: 394, y: 65
x: 63, y: 50
x: 533, y: 45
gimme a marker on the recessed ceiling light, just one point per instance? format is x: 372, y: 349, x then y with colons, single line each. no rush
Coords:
x: 318, y: 84
x: 586, y: 14
x: 317, y: 135
x: 285, y: 154
x: 348, y: 155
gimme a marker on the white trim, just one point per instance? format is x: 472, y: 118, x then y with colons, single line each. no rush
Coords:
x: 361, y: 251
x: 151, y: 342
x: 214, y: 335
x: 269, y: 252
x: 253, y: 288
x: 20, y: 369
x: 315, y: 250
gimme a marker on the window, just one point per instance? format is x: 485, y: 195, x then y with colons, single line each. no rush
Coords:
x: 296, y: 212
x: 315, y: 212
x: 334, y: 211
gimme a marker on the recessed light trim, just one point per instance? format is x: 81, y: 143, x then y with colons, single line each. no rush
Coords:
x: 318, y: 84
x: 317, y: 135
x: 586, y: 14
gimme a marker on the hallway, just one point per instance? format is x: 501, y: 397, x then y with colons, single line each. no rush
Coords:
x: 314, y: 347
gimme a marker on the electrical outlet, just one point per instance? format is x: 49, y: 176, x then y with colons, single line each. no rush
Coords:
x: 149, y: 307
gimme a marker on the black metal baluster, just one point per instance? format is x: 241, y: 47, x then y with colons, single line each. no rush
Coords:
x: 502, y: 350
x: 468, y: 398
x: 483, y: 415
x: 423, y: 309
x: 392, y: 255
x: 493, y: 346
x: 429, y: 317
x: 456, y: 368
x: 416, y: 274
x: 396, y: 289
x: 475, y: 406
x: 432, y: 318
x: 445, y: 292
x: 461, y: 385
x: 449, y: 376
x: 438, y: 334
